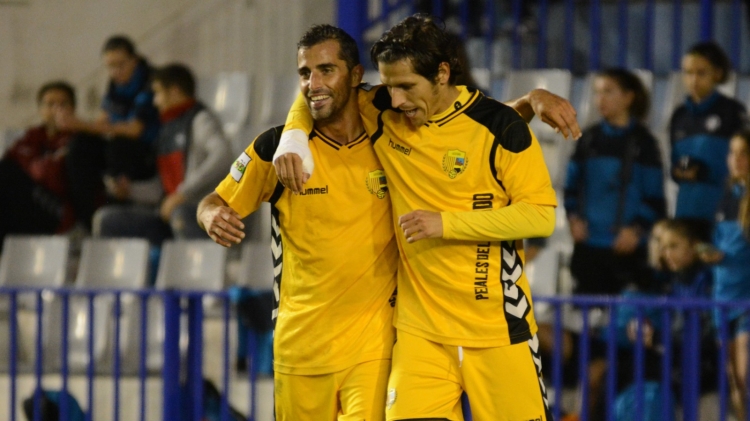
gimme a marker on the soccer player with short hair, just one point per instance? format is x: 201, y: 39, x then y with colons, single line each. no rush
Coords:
x: 333, y: 245
x: 468, y: 182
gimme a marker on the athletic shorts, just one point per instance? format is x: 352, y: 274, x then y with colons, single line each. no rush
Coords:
x: 502, y: 383
x: 354, y: 394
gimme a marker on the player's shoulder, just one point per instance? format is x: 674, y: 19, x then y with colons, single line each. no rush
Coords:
x: 266, y: 143
x: 509, y: 129
x: 377, y: 95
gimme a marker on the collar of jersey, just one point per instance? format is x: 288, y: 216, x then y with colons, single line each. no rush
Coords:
x: 465, y: 98
x: 332, y: 143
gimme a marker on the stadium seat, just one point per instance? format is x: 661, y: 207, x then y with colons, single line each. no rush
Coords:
x: 185, y: 265
x: 29, y: 262
x: 8, y: 138
x: 34, y: 261
x: 191, y: 265
x: 228, y: 94
x: 256, y: 271
x: 105, y: 264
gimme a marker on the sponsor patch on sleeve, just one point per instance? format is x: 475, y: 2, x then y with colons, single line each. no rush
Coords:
x: 239, y: 166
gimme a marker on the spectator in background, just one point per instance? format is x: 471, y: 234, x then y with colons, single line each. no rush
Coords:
x: 33, y: 187
x: 699, y: 132
x: 614, y: 191
x: 192, y: 158
x: 119, y: 144
x: 731, y: 268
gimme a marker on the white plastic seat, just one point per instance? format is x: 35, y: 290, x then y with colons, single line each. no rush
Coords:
x: 120, y: 263
x: 35, y: 262
x: 186, y: 265
x: 228, y: 95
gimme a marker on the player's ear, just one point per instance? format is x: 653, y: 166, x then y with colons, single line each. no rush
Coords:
x: 444, y: 73
x: 357, y: 72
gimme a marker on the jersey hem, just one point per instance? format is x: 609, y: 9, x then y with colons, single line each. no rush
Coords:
x: 505, y: 340
x: 314, y: 371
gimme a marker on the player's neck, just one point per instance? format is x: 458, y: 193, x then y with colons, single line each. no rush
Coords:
x: 446, y: 98
x: 346, y: 126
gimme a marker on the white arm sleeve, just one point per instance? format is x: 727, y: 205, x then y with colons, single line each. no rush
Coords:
x: 295, y: 141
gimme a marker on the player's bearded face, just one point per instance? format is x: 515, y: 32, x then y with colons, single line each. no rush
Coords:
x: 412, y: 93
x: 325, y: 80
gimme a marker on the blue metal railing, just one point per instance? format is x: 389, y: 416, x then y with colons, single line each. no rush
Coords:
x: 182, y: 395
x: 182, y: 392
x: 366, y: 19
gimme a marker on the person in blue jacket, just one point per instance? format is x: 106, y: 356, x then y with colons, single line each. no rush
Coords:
x: 731, y: 258
x: 614, y: 189
x: 699, y: 134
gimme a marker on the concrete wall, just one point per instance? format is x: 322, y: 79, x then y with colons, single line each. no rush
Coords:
x: 52, y: 39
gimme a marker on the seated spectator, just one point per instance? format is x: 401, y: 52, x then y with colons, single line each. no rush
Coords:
x: 614, y: 190
x: 33, y: 186
x: 690, y: 278
x: 117, y: 147
x: 192, y: 158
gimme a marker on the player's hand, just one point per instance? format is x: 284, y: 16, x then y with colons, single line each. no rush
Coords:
x: 579, y: 229
x: 421, y: 224
x: 556, y: 111
x: 223, y: 225
x: 290, y: 172
x: 627, y: 240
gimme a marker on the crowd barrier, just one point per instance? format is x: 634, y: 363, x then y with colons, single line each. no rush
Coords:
x: 146, y: 334
x: 156, y: 333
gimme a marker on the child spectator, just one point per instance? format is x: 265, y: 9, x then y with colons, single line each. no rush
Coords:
x: 119, y: 144
x: 614, y: 192
x: 34, y: 190
x: 699, y: 133
x: 731, y: 268
x: 192, y: 158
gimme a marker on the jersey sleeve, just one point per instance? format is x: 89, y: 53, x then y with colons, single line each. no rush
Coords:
x: 299, y: 116
x: 252, y: 178
x: 518, y: 165
x: 372, y: 100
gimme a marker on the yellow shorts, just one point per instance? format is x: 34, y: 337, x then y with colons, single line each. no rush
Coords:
x: 354, y: 394
x: 503, y: 383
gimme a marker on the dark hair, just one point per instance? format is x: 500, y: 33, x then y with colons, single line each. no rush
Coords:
x: 715, y: 55
x: 317, y: 34
x: 686, y: 228
x: 119, y: 42
x: 175, y: 74
x: 629, y: 82
x: 744, y: 214
x: 426, y: 44
x: 57, y: 85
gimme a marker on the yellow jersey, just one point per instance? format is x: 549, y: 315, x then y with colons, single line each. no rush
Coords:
x: 471, y: 163
x: 334, y: 252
